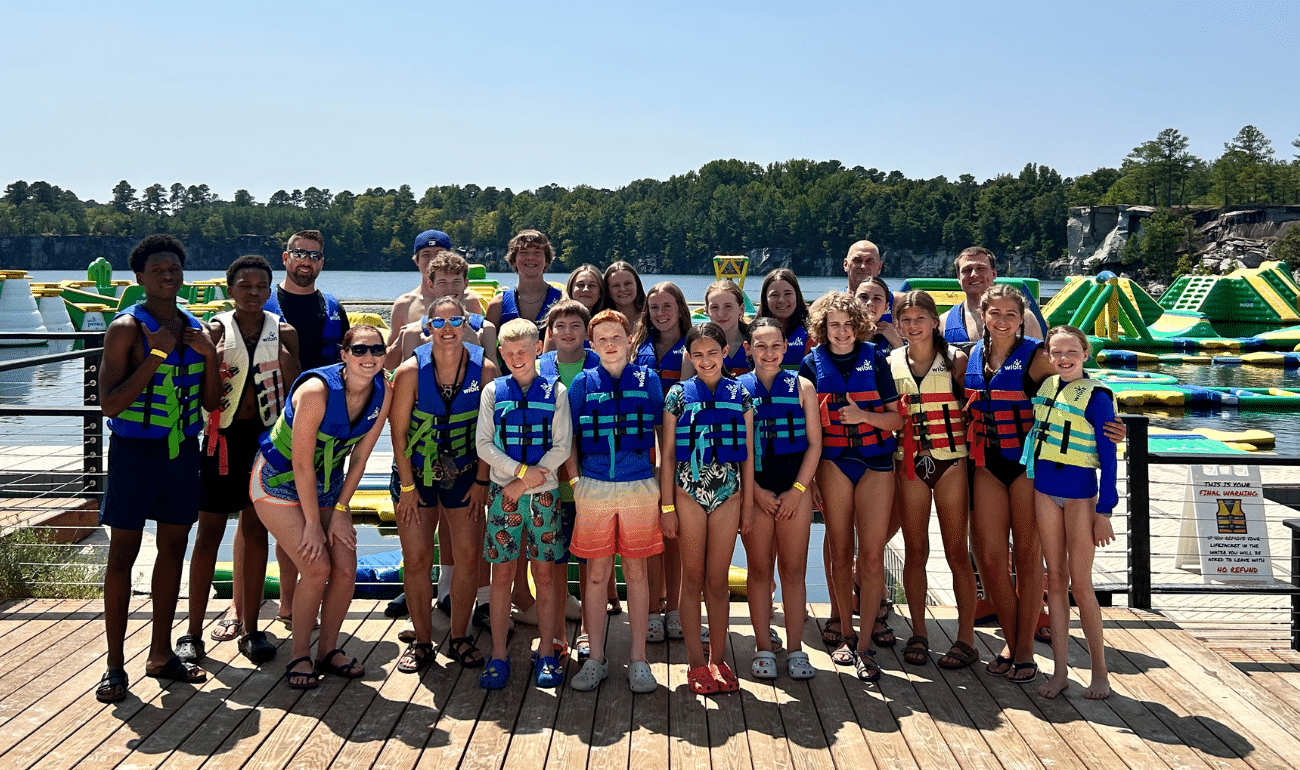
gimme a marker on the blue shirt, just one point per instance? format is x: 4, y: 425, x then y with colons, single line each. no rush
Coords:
x: 1075, y: 483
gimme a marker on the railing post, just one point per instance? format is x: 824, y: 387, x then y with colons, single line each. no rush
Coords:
x: 1294, y: 526
x: 1139, y: 514
x: 92, y: 425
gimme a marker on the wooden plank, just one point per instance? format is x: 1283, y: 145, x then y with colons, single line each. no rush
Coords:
x: 611, y: 734
x: 688, y: 746
x: 728, y: 738
x: 537, y: 719
x: 34, y: 632
x: 459, y: 716
x: 1178, y: 702
x: 1251, y: 708
x: 862, y: 727
x: 575, y: 719
x: 487, y: 745
x: 14, y: 613
x: 46, y: 648
x: 802, y: 730
x: 1276, y: 675
x: 649, y: 741
x: 758, y: 701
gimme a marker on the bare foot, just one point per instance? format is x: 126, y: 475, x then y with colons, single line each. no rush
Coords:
x: 1054, y: 687
x: 1098, y: 689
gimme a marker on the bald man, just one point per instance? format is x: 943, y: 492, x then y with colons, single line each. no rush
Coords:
x: 862, y: 262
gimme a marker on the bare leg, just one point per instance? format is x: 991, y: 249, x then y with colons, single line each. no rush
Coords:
x: 838, y: 495
x: 203, y: 562
x: 871, y: 496
x: 286, y: 524
x: 722, y: 526
x: 692, y: 538
x: 1079, y: 518
x: 250, y: 568
x: 792, y: 563
x: 758, y: 578
x: 288, y: 578
x: 165, y: 589
x: 672, y: 573
x: 638, y: 605
x: 503, y: 577
x: 952, y: 503
x: 338, y: 592
x: 1029, y: 569
x: 467, y: 543
x: 593, y: 611
x: 915, y: 495
x: 544, y: 577
x: 123, y: 548
x: 521, y: 596
x: 990, y: 535
x: 417, y: 553
x: 1051, y: 531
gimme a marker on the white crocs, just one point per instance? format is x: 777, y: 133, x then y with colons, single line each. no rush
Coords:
x: 764, y: 665
x: 589, y: 678
x: 640, y: 678
x: 673, y: 624
x: 798, y: 666
x: 655, y: 631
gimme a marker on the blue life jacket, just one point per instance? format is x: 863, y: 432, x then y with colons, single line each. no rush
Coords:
x: 618, y: 417
x: 778, y: 416
x: 549, y: 364
x: 524, y: 421
x: 669, y: 368
x: 833, y: 393
x: 1001, y: 413
x: 439, y: 430
x: 331, y: 332
x: 738, y: 362
x: 336, y: 435
x: 510, y: 306
x: 169, y: 406
x: 954, y: 329
x: 711, y: 428
x: 796, y: 347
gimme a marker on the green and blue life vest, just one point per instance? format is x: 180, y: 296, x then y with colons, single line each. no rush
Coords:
x: 1062, y: 432
x: 440, y: 430
x: 778, y: 416
x: 336, y: 436
x: 170, y: 406
x: 524, y: 420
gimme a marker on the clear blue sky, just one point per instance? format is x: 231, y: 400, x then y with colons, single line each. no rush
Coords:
x: 273, y: 95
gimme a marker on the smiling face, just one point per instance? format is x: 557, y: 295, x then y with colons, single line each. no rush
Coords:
x: 162, y: 276
x: 621, y: 286
x: 568, y: 332
x: 663, y: 310
x: 975, y: 274
x: 445, y: 285
x: 723, y: 310
x: 767, y: 347
x: 1003, y: 319
x: 916, y: 325
x: 520, y: 357
x: 448, y: 336
x: 586, y: 288
x: 610, y: 342
x: 707, y: 356
x: 781, y: 300
x: 530, y: 261
x: 1068, y: 355
x: 873, y: 298
x: 840, y: 334
x: 862, y: 262
x: 368, y: 365
x: 301, y: 269
x: 251, y: 289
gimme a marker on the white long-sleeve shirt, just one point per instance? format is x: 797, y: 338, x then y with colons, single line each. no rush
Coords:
x: 503, y: 466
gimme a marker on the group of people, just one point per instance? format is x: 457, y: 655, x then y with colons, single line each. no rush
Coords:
x: 598, y: 422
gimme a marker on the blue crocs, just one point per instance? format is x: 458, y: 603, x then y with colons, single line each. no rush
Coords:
x: 548, y: 671
x: 495, y: 675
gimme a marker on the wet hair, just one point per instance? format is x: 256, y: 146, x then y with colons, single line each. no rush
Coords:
x: 708, y: 330
x: 843, y: 302
x: 800, y: 315
x: 1069, y: 331
x: 158, y: 243
x: 449, y: 263
x: 925, y: 302
x: 519, y: 330
x: 639, y: 303
x: 728, y: 286
x: 996, y: 292
x: 305, y: 235
x: 976, y: 251
x: 353, y: 331
x: 247, y: 262
x: 527, y: 238
x: 600, y: 279
x: 646, y: 329
x: 570, y: 308
x: 764, y: 322
x: 609, y: 316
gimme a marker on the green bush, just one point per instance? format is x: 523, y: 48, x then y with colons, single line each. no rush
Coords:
x: 33, y: 565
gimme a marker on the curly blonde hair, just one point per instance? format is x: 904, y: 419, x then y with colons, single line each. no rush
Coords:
x: 843, y: 302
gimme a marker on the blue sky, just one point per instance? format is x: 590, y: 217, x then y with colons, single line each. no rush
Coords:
x: 275, y: 95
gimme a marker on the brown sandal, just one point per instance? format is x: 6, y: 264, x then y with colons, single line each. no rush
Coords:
x: 917, y: 651
x: 963, y: 653
x: 831, y: 637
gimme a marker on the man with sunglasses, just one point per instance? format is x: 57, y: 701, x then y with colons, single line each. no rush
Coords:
x: 316, y: 315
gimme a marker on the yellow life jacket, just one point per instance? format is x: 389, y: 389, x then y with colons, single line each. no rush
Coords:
x: 934, y: 413
x: 1061, y: 433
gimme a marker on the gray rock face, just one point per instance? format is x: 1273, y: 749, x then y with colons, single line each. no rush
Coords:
x: 1095, y: 237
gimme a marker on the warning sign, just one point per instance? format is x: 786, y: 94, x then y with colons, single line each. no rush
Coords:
x: 1223, y: 529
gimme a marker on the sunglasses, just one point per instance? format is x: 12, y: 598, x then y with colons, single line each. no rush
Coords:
x: 361, y: 350
x: 438, y: 322
x: 314, y: 256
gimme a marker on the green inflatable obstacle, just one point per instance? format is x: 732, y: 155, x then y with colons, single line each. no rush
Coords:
x: 1244, y: 302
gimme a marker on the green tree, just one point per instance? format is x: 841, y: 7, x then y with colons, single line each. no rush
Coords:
x: 1287, y: 248
x: 123, y: 197
x: 1158, y: 242
x: 1252, y: 155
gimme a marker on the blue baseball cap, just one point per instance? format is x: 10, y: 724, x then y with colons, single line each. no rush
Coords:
x: 429, y: 238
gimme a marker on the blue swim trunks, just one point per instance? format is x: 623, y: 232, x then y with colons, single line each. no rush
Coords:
x: 144, y: 482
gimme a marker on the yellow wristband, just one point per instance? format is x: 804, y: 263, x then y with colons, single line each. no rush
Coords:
x: 343, y: 507
x: 157, y: 352
x: 667, y: 509
x: 523, y: 470
x: 406, y: 488
x: 799, y: 487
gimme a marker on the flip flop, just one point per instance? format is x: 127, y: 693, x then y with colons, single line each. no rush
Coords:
x: 996, y: 662
x: 227, y: 630
x: 1016, y: 668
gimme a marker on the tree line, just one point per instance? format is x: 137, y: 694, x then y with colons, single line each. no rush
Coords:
x: 813, y: 209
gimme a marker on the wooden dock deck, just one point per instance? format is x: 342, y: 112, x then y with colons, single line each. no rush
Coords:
x: 1177, y: 704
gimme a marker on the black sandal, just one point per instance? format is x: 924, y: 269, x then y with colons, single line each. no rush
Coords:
x: 178, y: 670
x: 1016, y: 668
x: 963, y: 653
x: 917, y: 651
x: 350, y: 670
x: 843, y: 655
x: 415, y: 658
x: 465, y: 653
x: 864, y: 665
x: 113, y: 686
x: 312, y: 679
